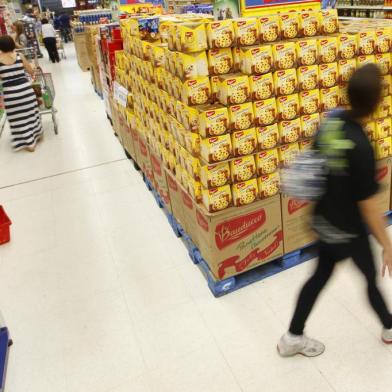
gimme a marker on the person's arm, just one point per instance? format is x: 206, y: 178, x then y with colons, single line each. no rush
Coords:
x: 28, y: 67
x: 377, y: 225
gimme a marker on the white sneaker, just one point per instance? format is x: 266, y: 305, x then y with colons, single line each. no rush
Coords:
x: 290, y: 345
x: 386, y: 336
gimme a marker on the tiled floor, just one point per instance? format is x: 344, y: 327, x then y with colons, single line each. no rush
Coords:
x: 101, y: 297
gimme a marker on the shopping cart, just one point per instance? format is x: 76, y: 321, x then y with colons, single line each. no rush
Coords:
x: 44, y: 88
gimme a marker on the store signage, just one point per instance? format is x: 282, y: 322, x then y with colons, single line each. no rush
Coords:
x: 120, y: 94
x: 269, y: 3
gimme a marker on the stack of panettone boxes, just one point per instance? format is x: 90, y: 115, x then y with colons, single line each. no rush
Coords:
x: 227, y: 103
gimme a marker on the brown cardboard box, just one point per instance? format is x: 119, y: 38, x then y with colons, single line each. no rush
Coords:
x: 135, y: 139
x: 160, y: 181
x: 384, y: 178
x: 145, y: 159
x: 175, y: 197
x: 81, y: 51
x: 239, y: 239
x: 297, y: 232
x: 190, y: 217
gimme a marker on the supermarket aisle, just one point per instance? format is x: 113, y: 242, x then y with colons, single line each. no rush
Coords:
x: 101, y: 297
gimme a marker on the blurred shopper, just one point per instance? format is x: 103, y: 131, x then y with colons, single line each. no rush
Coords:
x: 50, y: 42
x: 347, y: 207
x: 20, y: 100
x: 19, y: 35
x: 65, y: 27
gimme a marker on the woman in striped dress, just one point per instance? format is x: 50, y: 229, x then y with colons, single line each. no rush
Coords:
x: 20, y: 100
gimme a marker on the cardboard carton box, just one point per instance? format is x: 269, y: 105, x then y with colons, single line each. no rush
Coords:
x: 145, y: 159
x: 384, y: 177
x: 297, y: 232
x: 160, y: 180
x: 239, y: 239
x: 175, y: 197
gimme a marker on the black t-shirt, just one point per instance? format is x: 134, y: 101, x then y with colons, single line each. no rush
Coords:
x: 351, y: 178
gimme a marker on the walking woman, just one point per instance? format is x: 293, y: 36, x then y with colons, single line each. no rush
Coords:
x: 20, y: 100
x: 50, y: 42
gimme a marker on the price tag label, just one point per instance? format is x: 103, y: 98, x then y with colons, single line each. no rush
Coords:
x: 120, y: 94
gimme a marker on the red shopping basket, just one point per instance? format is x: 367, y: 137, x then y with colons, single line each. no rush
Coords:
x: 5, y: 224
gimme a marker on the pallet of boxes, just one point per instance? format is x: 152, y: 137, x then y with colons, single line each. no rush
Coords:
x: 92, y: 47
x: 223, y: 105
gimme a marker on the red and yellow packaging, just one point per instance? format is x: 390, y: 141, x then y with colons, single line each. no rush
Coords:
x: 363, y: 60
x: 244, y: 142
x: 285, y: 82
x: 386, y: 85
x: 366, y: 42
x: 384, y: 62
x: 347, y: 46
x: 233, y: 89
x: 288, y: 107
x: 196, y: 91
x: 243, y: 169
x: 236, y: 58
x: 287, y: 153
x: 265, y: 111
x: 192, y: 143
x: 192, y: 65
x: 220, y: 61
x: 327, y: 49
x: 305, y: 145
x: 215, y: 84
x: 328, y: 75
x: 309, y: 23
x: 383, y: 147
x: 246, y: 31
x: 289, y: 25
x: 308, y: 77
x: 309, y: 101
x: 269, y: 28
x: 329, y: 98
x: 269, y: 185
x: 346, y: 69
x: 307, y: 52
x: 290, y: 131
x: 285, y: 55
x: 213, y: 120
x: 383, y: 40
x: 267, y: 136
x: 383, y: 128
x: 194, y: 189
x: 267, y: 162
x: 343, y: 95
x: 256, y: 59
x: 245, y: 192
x: 189, y: 117
x: 241, y: 116
x: 212, y: 176
x: 310, y: 125
x: 384, y: 109
x: 216, y: 149
x: 217, y: 199
x: 220, y: 33
x: 261, y: 86
x: 329, y: 23
x: 192, y: 164
x: 191, y: 37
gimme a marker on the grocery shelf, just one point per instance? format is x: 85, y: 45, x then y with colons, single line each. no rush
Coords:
x: 361, y: 7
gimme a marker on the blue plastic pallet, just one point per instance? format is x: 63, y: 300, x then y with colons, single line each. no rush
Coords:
x: 4, y: 340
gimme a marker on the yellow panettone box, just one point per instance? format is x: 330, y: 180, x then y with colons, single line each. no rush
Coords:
x: 191, y: 37
x: 267, y: 136
x: 327, y: 49
x: 383, y: 128
x: 366, y: 42
x: 285, y: 82
x: 309, y: 23
x: 329, y: 98
x: 289, y: 25
x: 347, y: 46
x: 290, y: 131
x: 386, y: 85
x: 220, y: 61
x: 216, y: 149
x: 212, y: 176
x: 310, y: 125
x: 256, y: 59
x: 246, y: 31
x: 346, y: 69
x: 383, y: 40
x: 269, y: 185
x: 196, y: 91
x: 384, y: 62
x: 265, y: 111
x: 267, y: 162
x: 288, y: 107
x: 329, y: 22
x: 192, y: 65
x: 363, y: 60
x: 220, y: 33
x: 308, y: 77
x: 309, y: 101
x: 384, y: 108
x: 383, y: 147
x: 242, y: 169
x: 233, y: 89
x: 245, y: 192
x: 307, y: 52
x: 269, y: 28
x: 213, y: 120
x: 284, y: 54
x: 261, y: 86
x: 287, y: 153
x: 241, y: 116
x: 244, y: 142
x: 217, y: 199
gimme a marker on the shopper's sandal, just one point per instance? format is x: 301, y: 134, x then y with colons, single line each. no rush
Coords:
x: 290, y: 345
x: 386, y: 336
